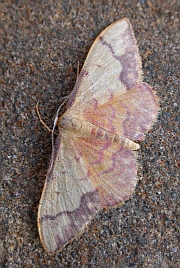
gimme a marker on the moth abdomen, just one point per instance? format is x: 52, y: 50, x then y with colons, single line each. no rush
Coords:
x: 117, y: 138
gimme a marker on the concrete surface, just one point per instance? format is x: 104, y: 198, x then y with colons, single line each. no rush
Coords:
x: 41, y: 44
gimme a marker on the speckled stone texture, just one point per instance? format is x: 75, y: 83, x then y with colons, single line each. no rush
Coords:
x: 41, y: 44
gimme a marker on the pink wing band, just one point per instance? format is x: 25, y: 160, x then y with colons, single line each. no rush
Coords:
x: 141, y: 105
x: 112, y: 169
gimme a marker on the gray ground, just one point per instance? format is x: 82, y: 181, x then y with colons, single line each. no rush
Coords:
x: 41, y: 43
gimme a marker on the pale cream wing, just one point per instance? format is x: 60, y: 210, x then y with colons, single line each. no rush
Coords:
x: 109, y: 92
x: 69, y: 200
x: 112, y: 66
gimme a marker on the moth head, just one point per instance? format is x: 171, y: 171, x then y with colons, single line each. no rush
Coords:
x: 68, y: 123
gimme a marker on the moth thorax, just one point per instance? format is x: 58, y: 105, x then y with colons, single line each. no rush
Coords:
x: 69, y: 123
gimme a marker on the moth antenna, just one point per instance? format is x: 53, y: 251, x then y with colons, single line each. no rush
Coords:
x: 38, y: 113
x: 44, y: 124
x: 77, y: 70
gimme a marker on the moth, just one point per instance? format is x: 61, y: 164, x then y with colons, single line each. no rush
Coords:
x: 94, y: 164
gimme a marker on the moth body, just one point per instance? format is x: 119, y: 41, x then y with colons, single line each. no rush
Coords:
x: 83, y: 128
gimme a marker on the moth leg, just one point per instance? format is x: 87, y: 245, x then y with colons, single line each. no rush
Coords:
x: 56, y: 117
